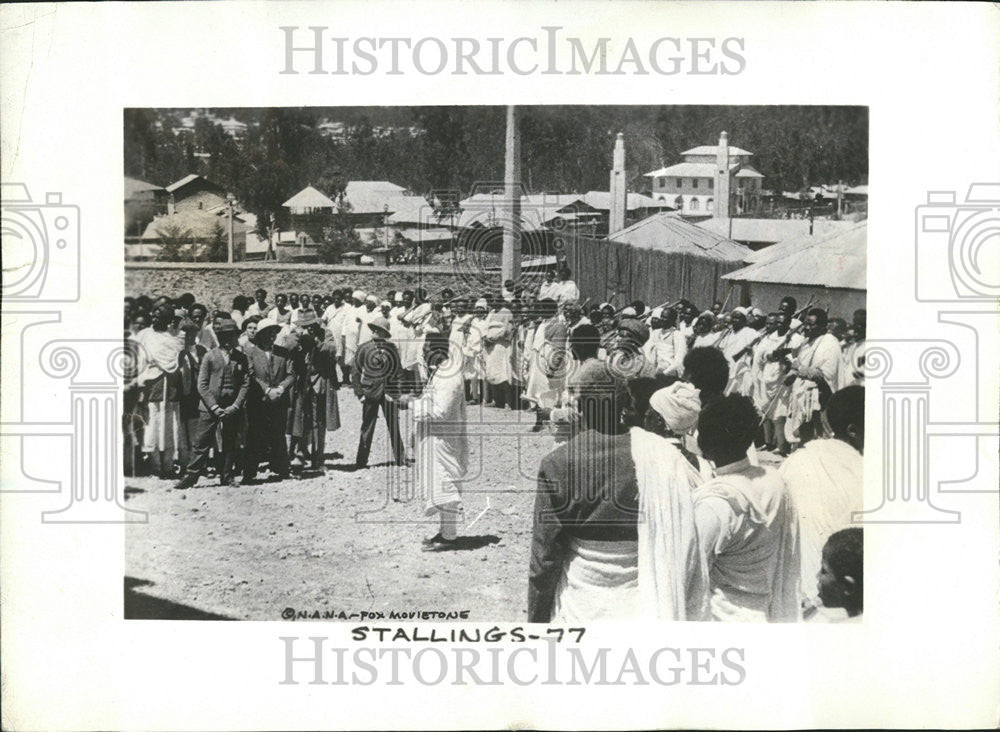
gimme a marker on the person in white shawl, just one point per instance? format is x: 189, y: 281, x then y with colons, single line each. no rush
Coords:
x: 157, y: 369
x: 613, y: 534
x: 815, y: 375
x: 826, y: 479
x: 548, y: 362
x: 673, y: 575
x: 748, y: 527
x: 442, y: 451
x: 351, y: 329
x: 497, y: 333
x: 474, y: 366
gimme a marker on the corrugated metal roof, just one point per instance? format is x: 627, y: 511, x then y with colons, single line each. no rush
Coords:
x: 134, y: 185
x: 837, y: 260
x: 714, y: 150
x: 602, y: 200
x: 192, y: 223
x: 191, y: 177
x: 688, y: 170
x: 428, y: 235
x: 309, y: 197
x: 374, y: 196
x: 669, y: 233
x: 769, y: 231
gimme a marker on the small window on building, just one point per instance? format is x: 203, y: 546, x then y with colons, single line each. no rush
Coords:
x: 694, y: 204
x: 711, y: 183
x: 680, y: 182
x: 710, y: 204
x: 694, y: 182
x: 661, y: 182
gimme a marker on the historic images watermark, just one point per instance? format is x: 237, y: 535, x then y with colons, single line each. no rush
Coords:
x: 496, y: 657
x: 318, y: 50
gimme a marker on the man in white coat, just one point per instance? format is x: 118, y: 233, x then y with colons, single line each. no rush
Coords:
x: 442, y: 450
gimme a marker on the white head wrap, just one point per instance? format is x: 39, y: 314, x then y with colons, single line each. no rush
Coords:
x: 679, y: 405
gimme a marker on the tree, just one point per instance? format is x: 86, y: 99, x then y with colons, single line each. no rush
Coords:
x: 339, y: 236
x: 217, y: 246
x: 173, y: 237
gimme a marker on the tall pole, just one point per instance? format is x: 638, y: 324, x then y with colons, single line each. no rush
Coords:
x: 510, y: 266
x: 229, y: 206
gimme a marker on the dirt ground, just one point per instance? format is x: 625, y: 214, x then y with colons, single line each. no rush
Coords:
x: 341, y: 542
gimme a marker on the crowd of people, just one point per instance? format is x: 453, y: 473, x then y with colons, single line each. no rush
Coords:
x: 654, y: 502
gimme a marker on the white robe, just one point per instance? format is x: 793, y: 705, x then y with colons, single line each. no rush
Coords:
x: 666, y: 349
x: 497, y: 353
x: 822, y: 353
x: 673, y: 575
x: 351, y: 332
x: 548, y: 341
x: 826, y: 481
x: 472, y: 350
x: 564, y: 292
x: 442, y: 444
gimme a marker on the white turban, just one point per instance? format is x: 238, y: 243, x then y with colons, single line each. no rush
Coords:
x: 657, y: 313
x: 359, y: 294
x: 372, y: 298
x: 398, y: 297
x: 679, y: 405
x: 481, y: 303
x: 385, y: 304
x: 628, y: 312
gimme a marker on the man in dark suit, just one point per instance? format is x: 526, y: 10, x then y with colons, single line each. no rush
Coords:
x: 267, y: 404
x: 223, y: 383
x: 376, y: 380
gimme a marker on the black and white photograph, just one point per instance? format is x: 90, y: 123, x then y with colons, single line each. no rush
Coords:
x: 560, y: 364
x: 539, y: 363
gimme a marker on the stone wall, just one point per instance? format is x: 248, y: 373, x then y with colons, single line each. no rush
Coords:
x: 216, y: 284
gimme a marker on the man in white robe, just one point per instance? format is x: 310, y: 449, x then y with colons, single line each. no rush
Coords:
x: 157, y: 374
x: 442, y: 451
x: 666, y: 346
x: 497, y: 335
x: 565, y: 290
x: 815, y: 375
x: 474, y: 367
x: 351, y: 332
x: 826, y: 480
x: 547, y: 368
x: 747, y: 522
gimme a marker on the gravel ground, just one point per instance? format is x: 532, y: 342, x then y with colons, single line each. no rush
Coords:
x: 343, y: 542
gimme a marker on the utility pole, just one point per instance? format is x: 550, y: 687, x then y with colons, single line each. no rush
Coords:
x: 510, y: 266
x: 229, y: 208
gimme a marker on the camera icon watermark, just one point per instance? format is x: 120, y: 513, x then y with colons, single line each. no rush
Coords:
x: 41, y: 247
x: 958, y: 246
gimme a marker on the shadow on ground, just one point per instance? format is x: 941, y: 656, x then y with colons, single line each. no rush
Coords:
x: 139, y: 606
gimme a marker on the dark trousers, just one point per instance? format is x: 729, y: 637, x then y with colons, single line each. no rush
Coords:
x: 266, y: 436
x: 204, y: 440
x: 369, y: 415
x: 497, y: 394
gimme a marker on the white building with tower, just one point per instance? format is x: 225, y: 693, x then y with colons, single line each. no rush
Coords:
x: 710, y: 181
